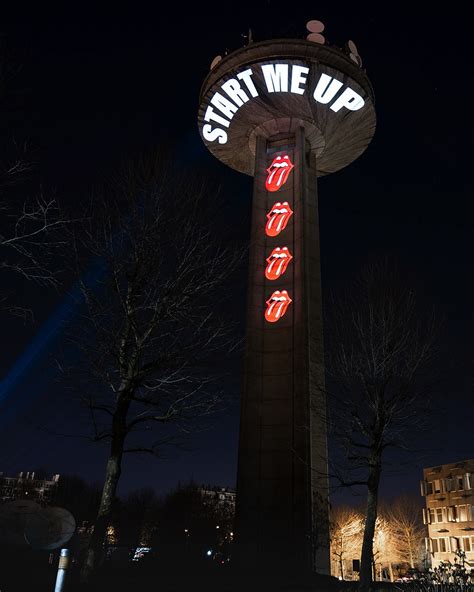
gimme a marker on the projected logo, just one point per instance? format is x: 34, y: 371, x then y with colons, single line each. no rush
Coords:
x: 277, y: 262
x: 278, y: 172
x: 277, y: 221
x: 277, y: 218
x: 277, y: 306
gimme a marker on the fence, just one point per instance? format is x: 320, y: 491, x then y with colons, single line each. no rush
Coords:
x: 434, y: 586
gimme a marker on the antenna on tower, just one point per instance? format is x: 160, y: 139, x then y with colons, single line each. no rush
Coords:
x: 315, y: 29
x: 354, y: 53
x: 215, y: 61
x: 249, y: 37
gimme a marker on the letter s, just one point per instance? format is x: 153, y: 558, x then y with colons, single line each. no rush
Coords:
x: 213, y: 134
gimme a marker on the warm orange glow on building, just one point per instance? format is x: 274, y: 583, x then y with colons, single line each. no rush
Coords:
x: 449, y: 513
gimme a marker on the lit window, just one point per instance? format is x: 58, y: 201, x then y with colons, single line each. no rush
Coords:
x: 462, y: 513
x: 468, y: 481
x: 437, y: 486
x: 439, y: 514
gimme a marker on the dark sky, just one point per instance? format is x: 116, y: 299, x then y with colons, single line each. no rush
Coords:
x: 95, y: 87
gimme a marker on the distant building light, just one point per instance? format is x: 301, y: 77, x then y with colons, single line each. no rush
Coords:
x: 140, y: 552
x: 209, y: 553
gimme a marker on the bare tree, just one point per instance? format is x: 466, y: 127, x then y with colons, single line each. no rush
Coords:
x: 385, y: 550
x: 347, y: 531
x: 380, y: 349
x: 152, y: 332
x: 346, y: 528
x: 406, y: 529
x: 136, y: 517
x: 29, y: 240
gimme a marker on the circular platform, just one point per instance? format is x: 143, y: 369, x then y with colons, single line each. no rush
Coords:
x: 273, y: 87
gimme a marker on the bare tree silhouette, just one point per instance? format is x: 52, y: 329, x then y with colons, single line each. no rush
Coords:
x: 152, y: 333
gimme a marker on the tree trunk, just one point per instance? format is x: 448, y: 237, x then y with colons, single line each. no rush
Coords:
x: 366, y: 559
x: 410, y: 550
x: 112, y: 475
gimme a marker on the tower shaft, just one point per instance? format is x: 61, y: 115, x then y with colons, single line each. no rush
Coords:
x: 282, y: 470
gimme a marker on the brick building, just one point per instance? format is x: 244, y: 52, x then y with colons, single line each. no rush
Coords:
x: 449, y: 512
x: 27, y: 486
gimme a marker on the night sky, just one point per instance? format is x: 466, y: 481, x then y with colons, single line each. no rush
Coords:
x: 95, y: 87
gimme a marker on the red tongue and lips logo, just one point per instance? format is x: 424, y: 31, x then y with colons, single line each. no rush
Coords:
x: 277, y: 306
x: 277, y: 218
x: 277, y: 263
x: 278, y: 172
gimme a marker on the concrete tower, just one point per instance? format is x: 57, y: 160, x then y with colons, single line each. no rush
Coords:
x: 285, y: 112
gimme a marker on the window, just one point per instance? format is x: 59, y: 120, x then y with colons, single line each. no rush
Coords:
x: 463, y: 513
x: 439, y: 514
x: 466, y: 544
x: 442, y: 545
x: 460, y: 483
x: 434, y: 545
x: 437, y: 486
x: 432, y: 516
x: 429, y: 488
x: 469, y: 480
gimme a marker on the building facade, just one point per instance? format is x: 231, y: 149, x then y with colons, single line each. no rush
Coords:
x: 220, y: 497
x: 449, y: 513
x: 27, y: 486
